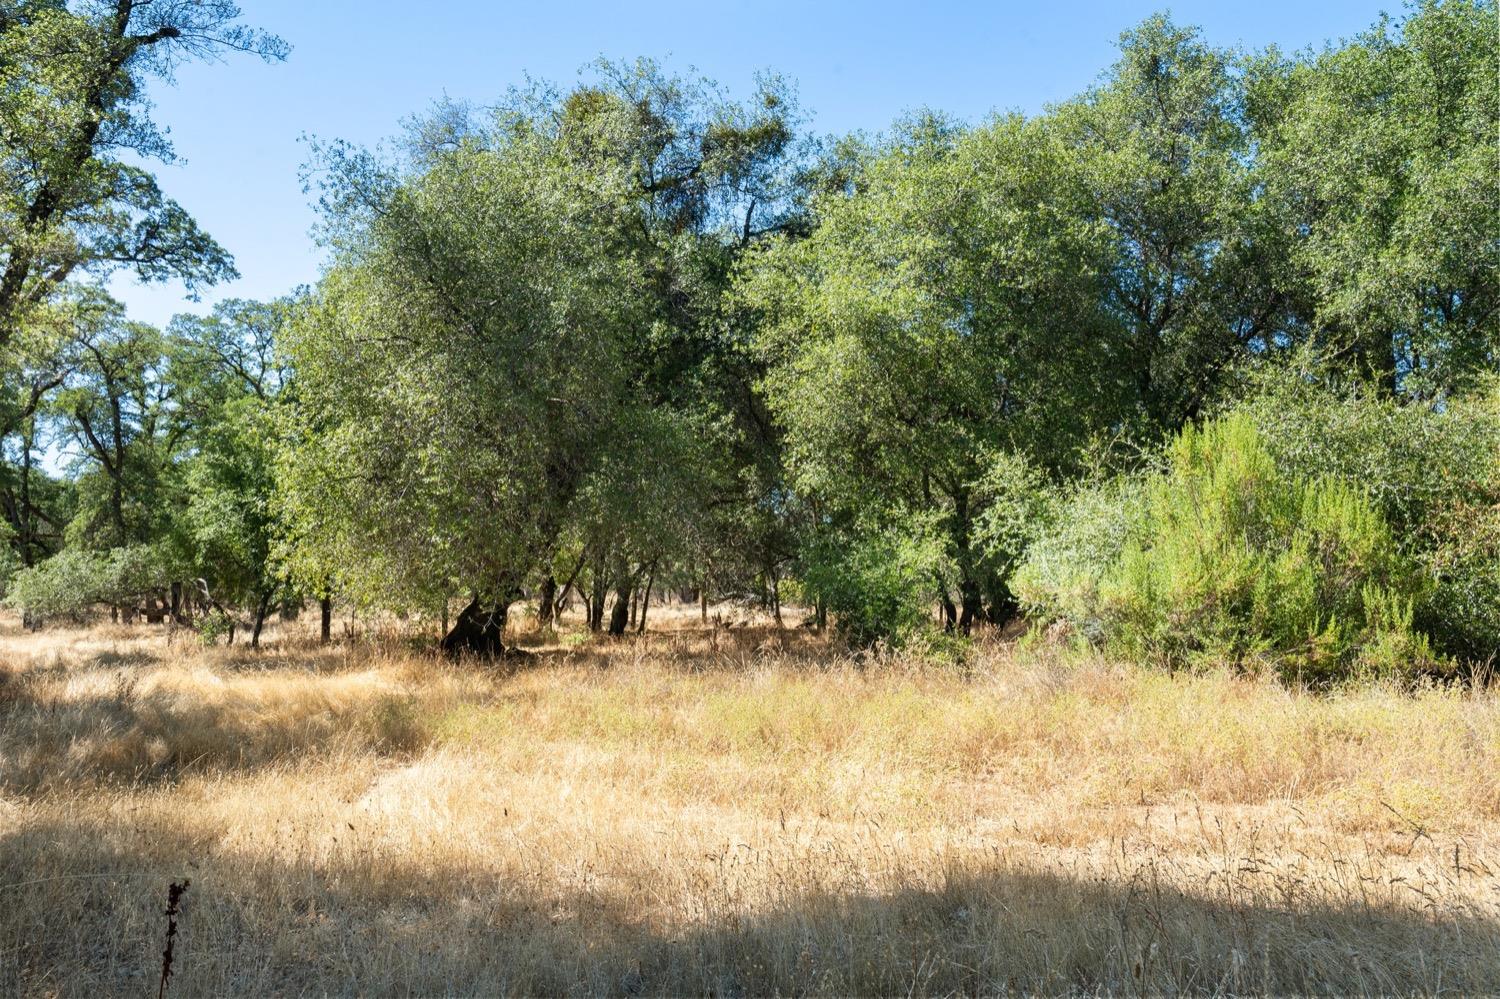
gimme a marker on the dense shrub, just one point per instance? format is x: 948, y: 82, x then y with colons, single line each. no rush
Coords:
x: 1434, y: 473
x: 1059, y: 577
x: 877, y: 582
x: 1226, y: 555
x: 1016, y: 505
x: 75, y: 579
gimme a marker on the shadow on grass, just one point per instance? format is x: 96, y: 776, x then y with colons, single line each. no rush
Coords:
x: 80, y: 915
x: 123, y: 728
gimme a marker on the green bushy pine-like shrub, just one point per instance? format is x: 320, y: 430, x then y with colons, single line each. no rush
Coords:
x: 1434, y: 473
x: 1224, y: 555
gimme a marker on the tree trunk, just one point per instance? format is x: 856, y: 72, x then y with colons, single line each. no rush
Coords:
x: 620, y: 616
x: 325, y: 619
x: 261, y: 610
x: 546, y: 610
x: 28, y: 531
x: 970, y: 598
x: 775, y: 587
x: 596, y: 600
x: 560, y: 603
x: 703, y: 605
x: 640, y: 628
x: 820, y: 614
x: 1003, y: 606
x: 973, y: 607
x: 479, y: 630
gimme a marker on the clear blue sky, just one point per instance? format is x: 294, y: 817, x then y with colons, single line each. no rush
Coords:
x: 358, y: 68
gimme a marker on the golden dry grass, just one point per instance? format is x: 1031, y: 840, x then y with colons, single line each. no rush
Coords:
x: 739, y: 814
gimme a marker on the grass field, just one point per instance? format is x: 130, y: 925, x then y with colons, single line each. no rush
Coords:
x: 732, y: 814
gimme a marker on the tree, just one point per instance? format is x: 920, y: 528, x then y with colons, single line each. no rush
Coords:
x: 451, y: 372
x: 910, y: 339
x: 115, y: 409
x: 555, y: 276
x: 229, y: 380
x: 706, y: 178
x: 72, y: 98
x: 1381, y: 154
x: 1189, y: 266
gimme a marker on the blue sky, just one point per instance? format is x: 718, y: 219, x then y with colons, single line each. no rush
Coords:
x: 358, y: 68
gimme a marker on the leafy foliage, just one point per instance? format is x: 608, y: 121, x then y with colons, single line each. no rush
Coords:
x: 1229, y: 556
x: 877, y: 579
x: 1433, y: 472
x: 71, y: 582
x: 639, y: 333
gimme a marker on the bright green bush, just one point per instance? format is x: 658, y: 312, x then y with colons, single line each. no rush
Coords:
x: 1432, y: 471
x: 1058, y: 579
x: 877, y: 582
x: 1224, y: 555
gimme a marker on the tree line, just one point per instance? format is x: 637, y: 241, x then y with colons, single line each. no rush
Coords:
x: 1199, y: 363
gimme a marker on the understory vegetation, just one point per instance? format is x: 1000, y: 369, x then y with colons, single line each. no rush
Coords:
x: 1198, y: 366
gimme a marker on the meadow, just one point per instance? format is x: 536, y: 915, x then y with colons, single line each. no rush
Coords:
x: 729, y: 812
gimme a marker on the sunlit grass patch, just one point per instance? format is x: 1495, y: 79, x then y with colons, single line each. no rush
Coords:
x: 374, y: 821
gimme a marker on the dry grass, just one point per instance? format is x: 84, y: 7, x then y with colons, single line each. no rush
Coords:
x: 739, y: 814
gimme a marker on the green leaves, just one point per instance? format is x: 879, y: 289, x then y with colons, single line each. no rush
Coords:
x: 1381, y: 153
x: 452, y: 373
x: 71, y: 97
x: 1226, y: 555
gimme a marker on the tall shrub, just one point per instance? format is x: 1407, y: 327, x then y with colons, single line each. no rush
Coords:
x: 1225, y: 555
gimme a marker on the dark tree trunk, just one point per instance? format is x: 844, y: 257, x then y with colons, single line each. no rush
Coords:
x: 973, y: 607
x: 479, y: 630
x: 620, y: 616
x: 1003, y: 606
x: 546, y: 610
x: 949, y: 609
x: 775, y: 588
x: 820, y: 614
x: 703, y: 605
x: 970, y: 599
x: 325, y: 618
x: 596, y: 600
x: 261, y: 610
x: 640, y: 628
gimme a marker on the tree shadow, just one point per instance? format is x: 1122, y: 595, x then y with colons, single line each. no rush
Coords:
x: 82, y: 914
x: 63, y: 727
